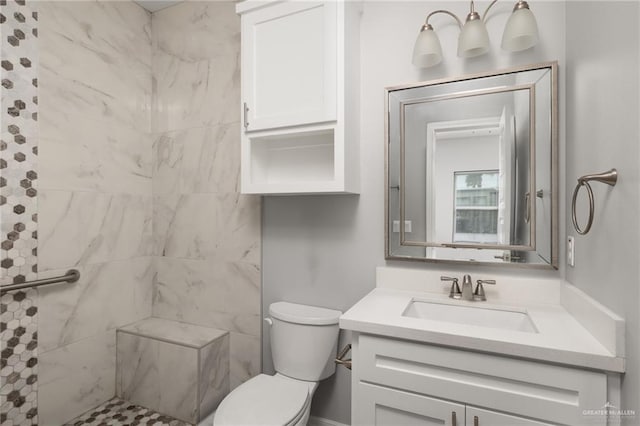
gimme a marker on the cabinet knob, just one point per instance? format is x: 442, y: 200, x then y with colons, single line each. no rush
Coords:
x: 454, y: 421
x: 476, y: 421
x: 246, y: 116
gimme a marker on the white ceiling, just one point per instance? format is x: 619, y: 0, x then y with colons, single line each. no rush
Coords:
x: 155, y: 5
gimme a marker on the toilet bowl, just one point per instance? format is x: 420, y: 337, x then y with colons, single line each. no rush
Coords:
x: 304, y: 342
x: 267, y: 400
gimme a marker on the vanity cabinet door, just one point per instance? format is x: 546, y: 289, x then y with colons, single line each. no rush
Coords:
x: 480, y: 417
x: 289, y: 64
x: 381, y: 406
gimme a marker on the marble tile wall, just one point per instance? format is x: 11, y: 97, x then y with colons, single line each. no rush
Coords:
x: 95, y: 195
x: 206, y: 235
x: 18, y: 210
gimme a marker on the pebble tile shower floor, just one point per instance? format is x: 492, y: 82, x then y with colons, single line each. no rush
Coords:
x: 120, y: 412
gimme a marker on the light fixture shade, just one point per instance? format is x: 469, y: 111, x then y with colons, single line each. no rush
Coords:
x: 473, y: 39
x: 521, y: 31
x: 427, y: 51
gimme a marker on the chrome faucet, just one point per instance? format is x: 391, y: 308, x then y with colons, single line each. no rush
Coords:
x: 467, y: 292
x: 467, y: 288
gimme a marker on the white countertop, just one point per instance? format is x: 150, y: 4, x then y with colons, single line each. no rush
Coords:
x: 561, y: 338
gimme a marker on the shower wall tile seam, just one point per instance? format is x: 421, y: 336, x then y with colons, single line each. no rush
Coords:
x: 182, y: 129
x: 187, y: 128
x: 164, y: 50
x: 130, y: 121
x: 212, y: 257
x: 49, y: 269
x: 95, y: 264
x: 143, y: 134
x: 74, y: 312
x: 113, y: 329
x: 84, y: 228
x: 146, y: 194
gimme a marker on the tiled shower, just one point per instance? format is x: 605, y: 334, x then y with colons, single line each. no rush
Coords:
x: 130, y: 123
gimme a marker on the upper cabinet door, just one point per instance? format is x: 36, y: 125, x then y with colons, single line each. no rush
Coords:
x: 289, y: 63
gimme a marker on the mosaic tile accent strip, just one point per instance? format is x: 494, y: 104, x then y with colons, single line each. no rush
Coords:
x: 19, y: 340
x: 18, y: 146
x: 120, y: 412
x: 18, y: 210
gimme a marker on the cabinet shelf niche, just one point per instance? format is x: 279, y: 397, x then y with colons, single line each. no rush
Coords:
x: 293, y: 163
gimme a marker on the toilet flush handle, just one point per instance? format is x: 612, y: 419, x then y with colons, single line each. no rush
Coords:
x: 269, y: 321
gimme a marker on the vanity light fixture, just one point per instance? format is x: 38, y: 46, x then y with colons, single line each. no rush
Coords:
x: 520, y: 33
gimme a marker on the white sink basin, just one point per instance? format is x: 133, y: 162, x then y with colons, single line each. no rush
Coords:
x: 503, y: 319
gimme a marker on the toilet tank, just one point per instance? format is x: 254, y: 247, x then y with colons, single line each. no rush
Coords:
x: 304, y: 340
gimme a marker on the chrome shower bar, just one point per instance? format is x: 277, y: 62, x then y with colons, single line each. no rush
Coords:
x: 71, y: 276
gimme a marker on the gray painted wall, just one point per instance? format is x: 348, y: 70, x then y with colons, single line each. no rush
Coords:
x: 603, y: 74
x: 323, y: 250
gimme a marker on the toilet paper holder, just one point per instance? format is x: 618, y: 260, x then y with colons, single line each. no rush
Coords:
x: 340, y: 360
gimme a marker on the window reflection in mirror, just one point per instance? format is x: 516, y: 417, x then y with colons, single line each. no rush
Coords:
x: 476, y: 207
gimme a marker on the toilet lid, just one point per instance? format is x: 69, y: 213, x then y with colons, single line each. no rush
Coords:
x: 264, y: 400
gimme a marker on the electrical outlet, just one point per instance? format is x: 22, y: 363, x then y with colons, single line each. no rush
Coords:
x: 407, y: 226
x: 571, y: 251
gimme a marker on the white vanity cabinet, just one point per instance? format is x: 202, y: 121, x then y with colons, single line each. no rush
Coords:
x: 401, y: 382
x: 300, y: 97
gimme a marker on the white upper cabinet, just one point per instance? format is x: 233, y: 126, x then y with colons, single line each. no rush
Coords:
x: 300, y: 97
x: 289, y: 65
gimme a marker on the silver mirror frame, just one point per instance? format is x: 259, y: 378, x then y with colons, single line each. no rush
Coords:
x: 554, y: 162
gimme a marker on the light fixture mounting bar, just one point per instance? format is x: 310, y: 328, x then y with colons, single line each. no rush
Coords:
x: 486, y: 11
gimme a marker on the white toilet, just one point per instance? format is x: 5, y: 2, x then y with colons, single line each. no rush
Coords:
x: 304, y: 342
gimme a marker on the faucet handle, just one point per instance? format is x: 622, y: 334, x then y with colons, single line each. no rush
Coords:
x: 455, y: 292
x: 478, y: 294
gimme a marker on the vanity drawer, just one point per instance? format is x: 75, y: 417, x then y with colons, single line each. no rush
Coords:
x: 538, y: 390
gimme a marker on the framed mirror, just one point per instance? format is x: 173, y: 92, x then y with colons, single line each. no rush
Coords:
x: 471, y: 169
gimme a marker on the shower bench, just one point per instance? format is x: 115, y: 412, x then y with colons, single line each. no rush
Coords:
x: 177, y: 369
